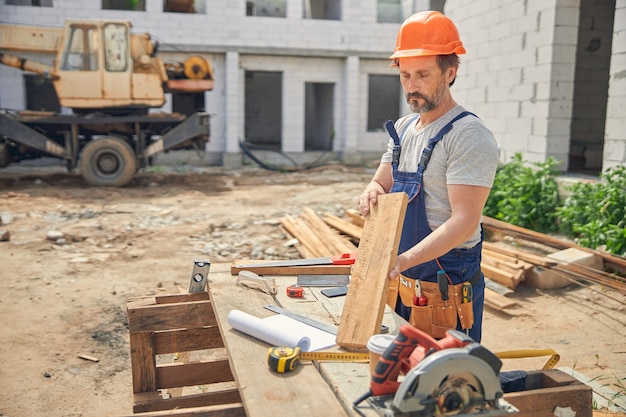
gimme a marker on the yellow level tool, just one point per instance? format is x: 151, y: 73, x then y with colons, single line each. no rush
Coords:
x: 285, y: 359
x: 529, y: 353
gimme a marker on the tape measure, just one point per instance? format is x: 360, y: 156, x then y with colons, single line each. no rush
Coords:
x: 286, y: 359
x: 530, y: 353
x: 295, y: 291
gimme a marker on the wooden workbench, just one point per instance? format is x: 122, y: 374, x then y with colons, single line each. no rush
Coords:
x: 321, y: 389
x: 328, y: 389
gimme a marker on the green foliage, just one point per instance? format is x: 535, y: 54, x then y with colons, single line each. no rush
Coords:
x: 595, y: 213
x: 525, y: 194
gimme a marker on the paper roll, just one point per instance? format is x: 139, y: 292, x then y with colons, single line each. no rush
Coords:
x: 266, y: 331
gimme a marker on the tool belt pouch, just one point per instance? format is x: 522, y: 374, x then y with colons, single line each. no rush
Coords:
x: 436, y: 318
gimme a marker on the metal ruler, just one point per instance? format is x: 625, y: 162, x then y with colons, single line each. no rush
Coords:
x: 303, y: 319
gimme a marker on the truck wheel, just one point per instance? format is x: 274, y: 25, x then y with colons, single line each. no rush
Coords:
x: 108, y: 161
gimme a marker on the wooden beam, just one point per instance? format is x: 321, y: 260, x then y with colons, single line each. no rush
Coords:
x: 290, y: 270
x: 355, y: 217
x: 367, y: 293
x: 343, y: 226
x: 619, y: 264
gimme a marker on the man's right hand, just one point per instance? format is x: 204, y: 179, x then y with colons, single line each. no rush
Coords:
x: 369, y: 196
x: 380, y: 184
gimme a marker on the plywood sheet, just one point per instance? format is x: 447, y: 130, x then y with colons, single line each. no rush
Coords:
x: 365, y: 302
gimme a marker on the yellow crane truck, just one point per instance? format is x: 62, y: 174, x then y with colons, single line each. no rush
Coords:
x: 109, y: 78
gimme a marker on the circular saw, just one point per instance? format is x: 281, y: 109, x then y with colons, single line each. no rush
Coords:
x: 450, y: 382
x: 419, y: 376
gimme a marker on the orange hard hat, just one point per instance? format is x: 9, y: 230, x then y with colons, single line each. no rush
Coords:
x: 427, y: 33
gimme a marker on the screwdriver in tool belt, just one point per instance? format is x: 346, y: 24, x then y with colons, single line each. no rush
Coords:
x: 442, y: 281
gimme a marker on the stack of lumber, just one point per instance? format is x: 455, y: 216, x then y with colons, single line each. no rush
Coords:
x: 316, y: 237
x: 505, y: 265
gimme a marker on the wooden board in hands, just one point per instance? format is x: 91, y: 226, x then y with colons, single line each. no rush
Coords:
x: 363, y: 309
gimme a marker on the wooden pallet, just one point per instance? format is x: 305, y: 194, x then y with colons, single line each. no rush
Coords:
x: 169, y: 324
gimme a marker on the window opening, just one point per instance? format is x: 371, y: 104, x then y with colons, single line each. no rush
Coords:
x: 319, y: 130
x: 267, y: 8
x: 383, y: 100
x: 138, y: 5
x: 263, y: 108
x: 35, y: 3
x: 321, y: 9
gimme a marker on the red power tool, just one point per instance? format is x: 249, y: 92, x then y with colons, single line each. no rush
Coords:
x: 409, y: 347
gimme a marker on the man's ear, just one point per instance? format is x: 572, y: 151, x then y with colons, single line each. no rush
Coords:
x: 451, y: 75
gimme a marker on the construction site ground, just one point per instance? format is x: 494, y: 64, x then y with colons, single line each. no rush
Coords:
x: 74, y: 255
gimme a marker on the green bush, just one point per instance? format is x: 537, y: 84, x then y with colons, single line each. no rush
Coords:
x: 595, y: 213
x: 525, y: 194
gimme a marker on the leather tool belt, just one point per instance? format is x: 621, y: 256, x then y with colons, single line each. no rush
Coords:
x: 437, y: 316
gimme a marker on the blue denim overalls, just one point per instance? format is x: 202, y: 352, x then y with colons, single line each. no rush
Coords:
x: 459, y: 264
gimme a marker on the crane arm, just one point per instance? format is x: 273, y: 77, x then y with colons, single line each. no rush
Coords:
x: 28, y: 65
x: 30, y: 38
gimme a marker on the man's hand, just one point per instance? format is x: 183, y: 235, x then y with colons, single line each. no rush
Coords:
x: 369, y: 196
x: 380, y: 184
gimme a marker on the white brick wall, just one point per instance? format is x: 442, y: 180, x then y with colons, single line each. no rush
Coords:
x: 518, y: 74
x: 615, y: 129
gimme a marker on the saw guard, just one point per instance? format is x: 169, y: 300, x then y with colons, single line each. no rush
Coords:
x: 423, y: 380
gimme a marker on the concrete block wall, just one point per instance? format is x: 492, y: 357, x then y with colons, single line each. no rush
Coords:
x: 615, y: 129
x: 518, y: 73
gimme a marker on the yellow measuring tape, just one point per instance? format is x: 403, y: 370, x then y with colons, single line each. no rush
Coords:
x: 531, y: 353
x: 285, y: 359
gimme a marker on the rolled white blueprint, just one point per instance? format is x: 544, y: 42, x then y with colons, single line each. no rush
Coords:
x: 268, y: 331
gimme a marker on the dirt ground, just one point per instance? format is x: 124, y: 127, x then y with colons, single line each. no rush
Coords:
x: 77, y: 253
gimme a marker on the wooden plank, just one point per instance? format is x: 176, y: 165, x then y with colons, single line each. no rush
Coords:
x: 170, y: 316
x: 313, y: 239
x: 509, y: 279
x: 519, y: 254
x: 264, y: 393
x: 612, y: 261
x: 290, y: 270
x: 181, y: 298
x: 183, y: 340
x: 225, y: 403
x: 355, y: 217
x: 293, y: 229
x: 343, y: 226
x: 143, y: 362
x: 367, y: 294
x: 173, y: 375
x: 497, y: 301
x: 300, y: 231
x: 334, y: 241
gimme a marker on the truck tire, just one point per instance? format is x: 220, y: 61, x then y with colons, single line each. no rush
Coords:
x: 107, y: 161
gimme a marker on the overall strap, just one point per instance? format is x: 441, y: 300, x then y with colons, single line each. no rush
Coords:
x: 395, y: 159
x: 428, y: 150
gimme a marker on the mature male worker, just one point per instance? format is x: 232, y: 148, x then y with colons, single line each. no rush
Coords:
x: 445, y: 161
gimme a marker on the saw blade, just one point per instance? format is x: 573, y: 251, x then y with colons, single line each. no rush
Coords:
x: 457, y: 395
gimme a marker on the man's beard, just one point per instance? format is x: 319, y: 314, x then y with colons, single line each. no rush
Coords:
x: 430, y: 103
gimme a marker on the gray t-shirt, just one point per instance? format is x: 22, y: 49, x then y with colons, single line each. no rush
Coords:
x: 468, y: 155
